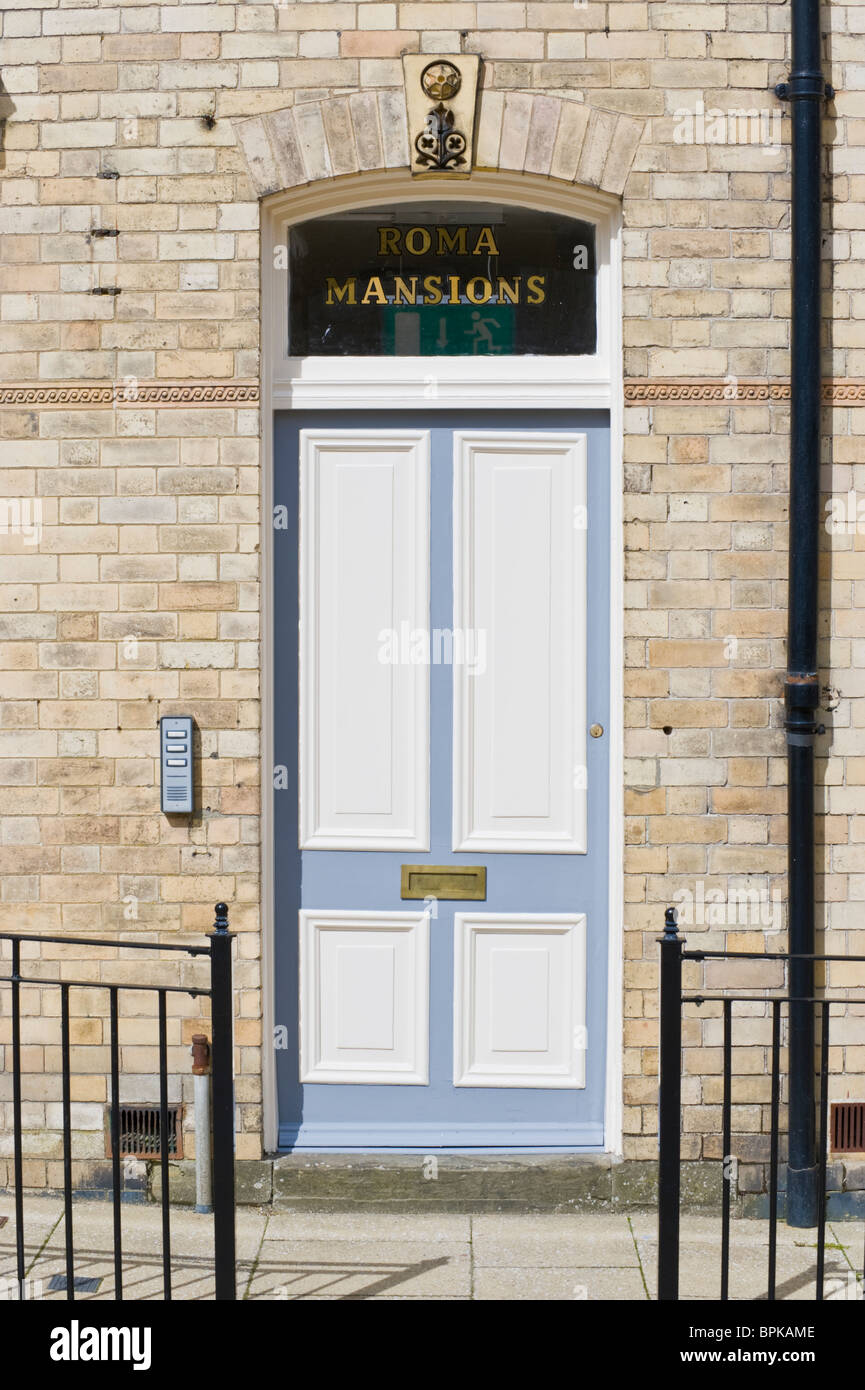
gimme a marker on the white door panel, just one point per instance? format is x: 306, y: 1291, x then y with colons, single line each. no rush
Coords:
x: 364, y: 746
x: 519, y: 1000
x: 520, y: 589
x: 364, y: 999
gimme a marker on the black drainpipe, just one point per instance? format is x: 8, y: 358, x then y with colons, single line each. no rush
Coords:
x: 806, y: 91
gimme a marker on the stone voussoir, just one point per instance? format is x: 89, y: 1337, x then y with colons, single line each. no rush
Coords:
x: 528, y: 133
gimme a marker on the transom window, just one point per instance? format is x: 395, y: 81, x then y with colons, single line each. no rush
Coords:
x: 455, y: 279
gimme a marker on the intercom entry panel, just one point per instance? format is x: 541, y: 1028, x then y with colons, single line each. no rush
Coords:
x: 175, y: 756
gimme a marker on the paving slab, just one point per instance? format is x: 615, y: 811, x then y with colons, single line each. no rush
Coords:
x: 141, y: 1231
x: 40, y: 1219
x: 40, y: 1216
x: 381, y: 1226
x: 700, y: 1273
x: 552, y: 1240
x: 576, y: 1284
x: 142, y: 1280
x: 382, y: 1298
x: 700, y: 1258
x: 360, y: 1269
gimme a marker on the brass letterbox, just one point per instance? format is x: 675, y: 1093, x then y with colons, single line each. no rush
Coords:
x: 457, y: 881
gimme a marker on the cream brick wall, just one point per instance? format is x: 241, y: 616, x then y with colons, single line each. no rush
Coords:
x: 142, y: 597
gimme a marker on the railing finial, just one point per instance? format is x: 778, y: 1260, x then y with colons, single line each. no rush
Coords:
x: 221, y: 922
x: 670, y: 924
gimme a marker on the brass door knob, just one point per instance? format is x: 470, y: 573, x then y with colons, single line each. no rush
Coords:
x: 597, y: 731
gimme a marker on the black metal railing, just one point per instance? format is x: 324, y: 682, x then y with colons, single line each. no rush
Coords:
x: 219, y: 991
x: 673, y: 957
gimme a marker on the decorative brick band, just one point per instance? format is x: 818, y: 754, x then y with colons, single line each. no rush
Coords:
x: 697, y: 391
x: 638, y: 391
x: 128, y: 394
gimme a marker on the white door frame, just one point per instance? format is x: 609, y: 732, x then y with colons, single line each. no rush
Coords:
x: 432, y: 383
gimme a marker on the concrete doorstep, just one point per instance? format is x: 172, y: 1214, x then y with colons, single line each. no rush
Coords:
x: 446, y: 1255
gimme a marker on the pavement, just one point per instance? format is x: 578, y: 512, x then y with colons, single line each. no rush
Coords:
x: 343, y: 1255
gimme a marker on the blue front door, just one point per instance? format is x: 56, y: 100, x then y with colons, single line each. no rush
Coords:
x: 441, y: 782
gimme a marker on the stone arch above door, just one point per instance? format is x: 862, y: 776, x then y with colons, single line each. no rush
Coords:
x: 561, y: 139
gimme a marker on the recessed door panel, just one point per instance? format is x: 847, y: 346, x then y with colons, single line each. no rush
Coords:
x: 364, y: 583
x: 520, y: 581
x: 364, y: 997
x: 519, y: 999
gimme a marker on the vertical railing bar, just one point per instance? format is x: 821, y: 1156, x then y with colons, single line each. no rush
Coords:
x: 115, y: 1142
x: 67, y: 1140
x: 222, y: 1072
x: 824, y: 1147
x: 163, y: 1147
x: 773, y: 1142
x: 725, y: 1144
x: 18, y: 1160
x: 669, y: 1109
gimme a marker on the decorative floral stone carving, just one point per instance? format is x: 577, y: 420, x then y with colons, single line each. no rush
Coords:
x: 441, y: 133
